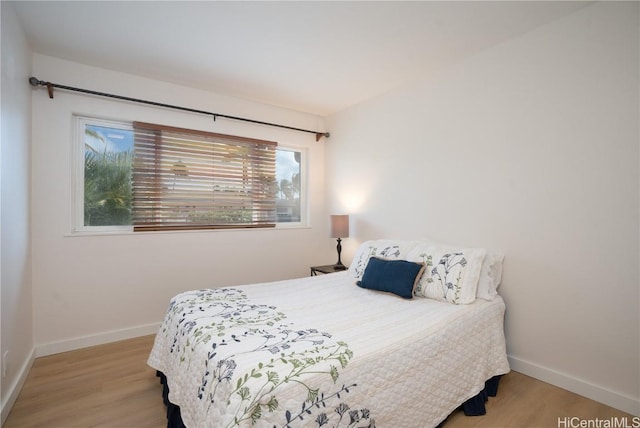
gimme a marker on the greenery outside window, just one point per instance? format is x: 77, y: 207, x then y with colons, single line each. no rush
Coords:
x: 116, y: 191
x: 103, y: 181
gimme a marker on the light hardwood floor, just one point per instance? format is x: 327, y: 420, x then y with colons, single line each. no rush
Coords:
x: 111, y: 386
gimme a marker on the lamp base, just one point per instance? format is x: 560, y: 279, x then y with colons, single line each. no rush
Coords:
x: 339, y: 265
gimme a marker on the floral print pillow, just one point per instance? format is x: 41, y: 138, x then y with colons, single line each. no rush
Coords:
x: 451, y: 274
x: 386, y: 249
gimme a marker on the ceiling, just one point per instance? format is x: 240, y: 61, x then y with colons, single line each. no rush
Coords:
x: 315, y: 57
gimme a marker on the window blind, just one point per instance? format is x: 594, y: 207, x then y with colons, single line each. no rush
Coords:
x: 187, y: 179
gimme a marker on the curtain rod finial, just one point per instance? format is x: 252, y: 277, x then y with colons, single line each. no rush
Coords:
x: 322, y: 134
x: 35, y: 82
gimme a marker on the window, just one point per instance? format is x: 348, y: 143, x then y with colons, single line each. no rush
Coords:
x: 150, y: 177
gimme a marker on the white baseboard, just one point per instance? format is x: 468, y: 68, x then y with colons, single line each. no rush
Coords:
x: 14, y: 390
x: 579, y: 386
x: 95, y: 339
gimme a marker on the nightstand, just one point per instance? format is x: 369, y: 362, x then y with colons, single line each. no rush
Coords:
x: 325, y: 269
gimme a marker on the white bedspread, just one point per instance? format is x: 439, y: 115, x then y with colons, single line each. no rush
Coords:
x: 320, y: 351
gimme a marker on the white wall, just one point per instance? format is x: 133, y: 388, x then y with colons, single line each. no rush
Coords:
x: 91, y: 289
x: 15, y: 249
x: 531, y: 148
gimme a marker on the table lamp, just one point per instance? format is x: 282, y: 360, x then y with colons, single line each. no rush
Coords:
x: 339, y: 230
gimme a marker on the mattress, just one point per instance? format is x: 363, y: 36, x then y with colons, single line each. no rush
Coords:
x: 321, y: 351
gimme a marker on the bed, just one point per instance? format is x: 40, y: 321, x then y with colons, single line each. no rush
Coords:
x: 333, y: 350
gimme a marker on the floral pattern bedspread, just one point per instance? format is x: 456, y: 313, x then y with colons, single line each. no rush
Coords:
x: 234, y: 362
x: 323, y: 352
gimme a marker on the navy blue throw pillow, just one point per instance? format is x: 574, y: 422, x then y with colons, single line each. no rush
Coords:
x: 393, y: 276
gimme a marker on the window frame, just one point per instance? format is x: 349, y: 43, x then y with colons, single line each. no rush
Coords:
x: 77, y: 227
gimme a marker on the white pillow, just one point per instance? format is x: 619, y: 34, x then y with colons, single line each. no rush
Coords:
x: 388, y: 249
x: 490, y: 276
x: 451, y: 274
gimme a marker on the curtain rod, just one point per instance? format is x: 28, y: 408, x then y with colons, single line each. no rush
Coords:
x: 36, y: 82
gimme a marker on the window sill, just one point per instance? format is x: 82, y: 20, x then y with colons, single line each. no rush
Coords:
x: 107, y: 231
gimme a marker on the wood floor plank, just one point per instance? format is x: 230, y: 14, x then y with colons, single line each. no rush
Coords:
x: 111, y: 386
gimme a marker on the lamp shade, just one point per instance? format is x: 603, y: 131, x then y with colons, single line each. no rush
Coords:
x: 339, y: 226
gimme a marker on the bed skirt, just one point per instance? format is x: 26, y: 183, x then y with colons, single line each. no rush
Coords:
x: 472, y: 407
